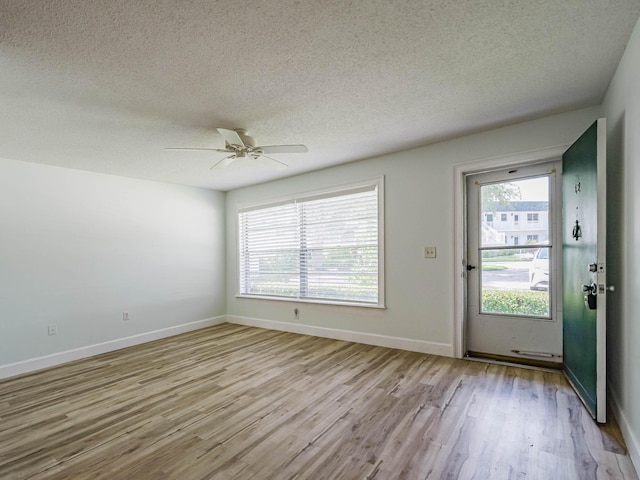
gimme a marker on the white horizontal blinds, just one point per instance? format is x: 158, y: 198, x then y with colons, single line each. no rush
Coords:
x: 340, y: 247
x: 269, y: 251
x: 323, y: 247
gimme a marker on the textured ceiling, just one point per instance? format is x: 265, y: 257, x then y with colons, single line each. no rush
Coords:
x: 106, y: 85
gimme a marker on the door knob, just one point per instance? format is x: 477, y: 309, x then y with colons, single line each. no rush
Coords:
x: 602, y: 289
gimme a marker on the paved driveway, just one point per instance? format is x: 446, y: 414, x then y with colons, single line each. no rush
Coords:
x: 514, y: 277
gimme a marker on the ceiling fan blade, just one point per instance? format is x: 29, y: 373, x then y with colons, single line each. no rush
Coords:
x: 270, y: 162
x: 283, y: 149
x: 225, y: 162
x: 231, y: 137
x: 198, y: 149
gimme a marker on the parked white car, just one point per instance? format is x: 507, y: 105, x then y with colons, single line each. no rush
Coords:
x: 539, y: 270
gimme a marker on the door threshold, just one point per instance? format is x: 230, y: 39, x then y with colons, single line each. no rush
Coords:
x: 527, y: 363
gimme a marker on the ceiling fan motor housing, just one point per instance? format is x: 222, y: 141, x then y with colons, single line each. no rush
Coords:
x: 247, y: 140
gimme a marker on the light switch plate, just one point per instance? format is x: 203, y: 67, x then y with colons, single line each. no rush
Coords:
x: 429, y: 252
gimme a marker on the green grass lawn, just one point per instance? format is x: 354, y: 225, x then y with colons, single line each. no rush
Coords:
x: 491, y: 268
x: 505, y: 258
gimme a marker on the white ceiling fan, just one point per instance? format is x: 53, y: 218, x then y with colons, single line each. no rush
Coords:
x: 240, y: 145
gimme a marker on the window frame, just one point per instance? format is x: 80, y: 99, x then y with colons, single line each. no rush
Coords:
x: 377, y: 183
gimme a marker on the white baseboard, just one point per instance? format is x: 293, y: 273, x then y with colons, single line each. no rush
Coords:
x: 633, y: 447
x: 39, y: 363
x: 421, y: 346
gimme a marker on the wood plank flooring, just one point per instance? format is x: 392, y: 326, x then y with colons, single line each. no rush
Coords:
x: 234, y: 402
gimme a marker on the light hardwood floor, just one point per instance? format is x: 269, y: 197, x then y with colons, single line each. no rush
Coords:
x: 234, y: 402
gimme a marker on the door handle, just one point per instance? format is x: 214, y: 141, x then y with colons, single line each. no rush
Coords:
x: 470, y: 267
x: 590, y: 299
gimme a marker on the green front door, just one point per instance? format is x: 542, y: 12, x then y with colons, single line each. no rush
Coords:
x: 584, y: 269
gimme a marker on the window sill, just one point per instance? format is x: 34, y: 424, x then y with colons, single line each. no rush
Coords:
x: 319, y: 302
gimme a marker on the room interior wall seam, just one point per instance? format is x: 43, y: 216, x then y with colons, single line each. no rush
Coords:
x: 33, y: 364
x: 420, y: 346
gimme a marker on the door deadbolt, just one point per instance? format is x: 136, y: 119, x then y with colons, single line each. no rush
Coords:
x: 590, y: 299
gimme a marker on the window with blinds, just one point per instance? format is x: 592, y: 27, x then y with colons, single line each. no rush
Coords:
x: 325, y: 247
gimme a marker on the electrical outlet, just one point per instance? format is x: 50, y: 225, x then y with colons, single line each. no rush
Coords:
x: 53, y: 329
x: 296, y: 314
x: 429, y: 252
x: 125, y: 316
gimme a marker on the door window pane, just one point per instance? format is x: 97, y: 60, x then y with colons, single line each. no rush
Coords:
x: 514, y: 255
x: 515, y: 283
x: 528, y: 199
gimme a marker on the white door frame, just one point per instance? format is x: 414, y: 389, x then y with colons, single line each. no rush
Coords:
x: 460, y: 229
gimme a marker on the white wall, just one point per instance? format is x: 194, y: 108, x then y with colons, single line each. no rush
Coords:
x: 77, y: 249
x: 419, y: 212
x: 621, y: 106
